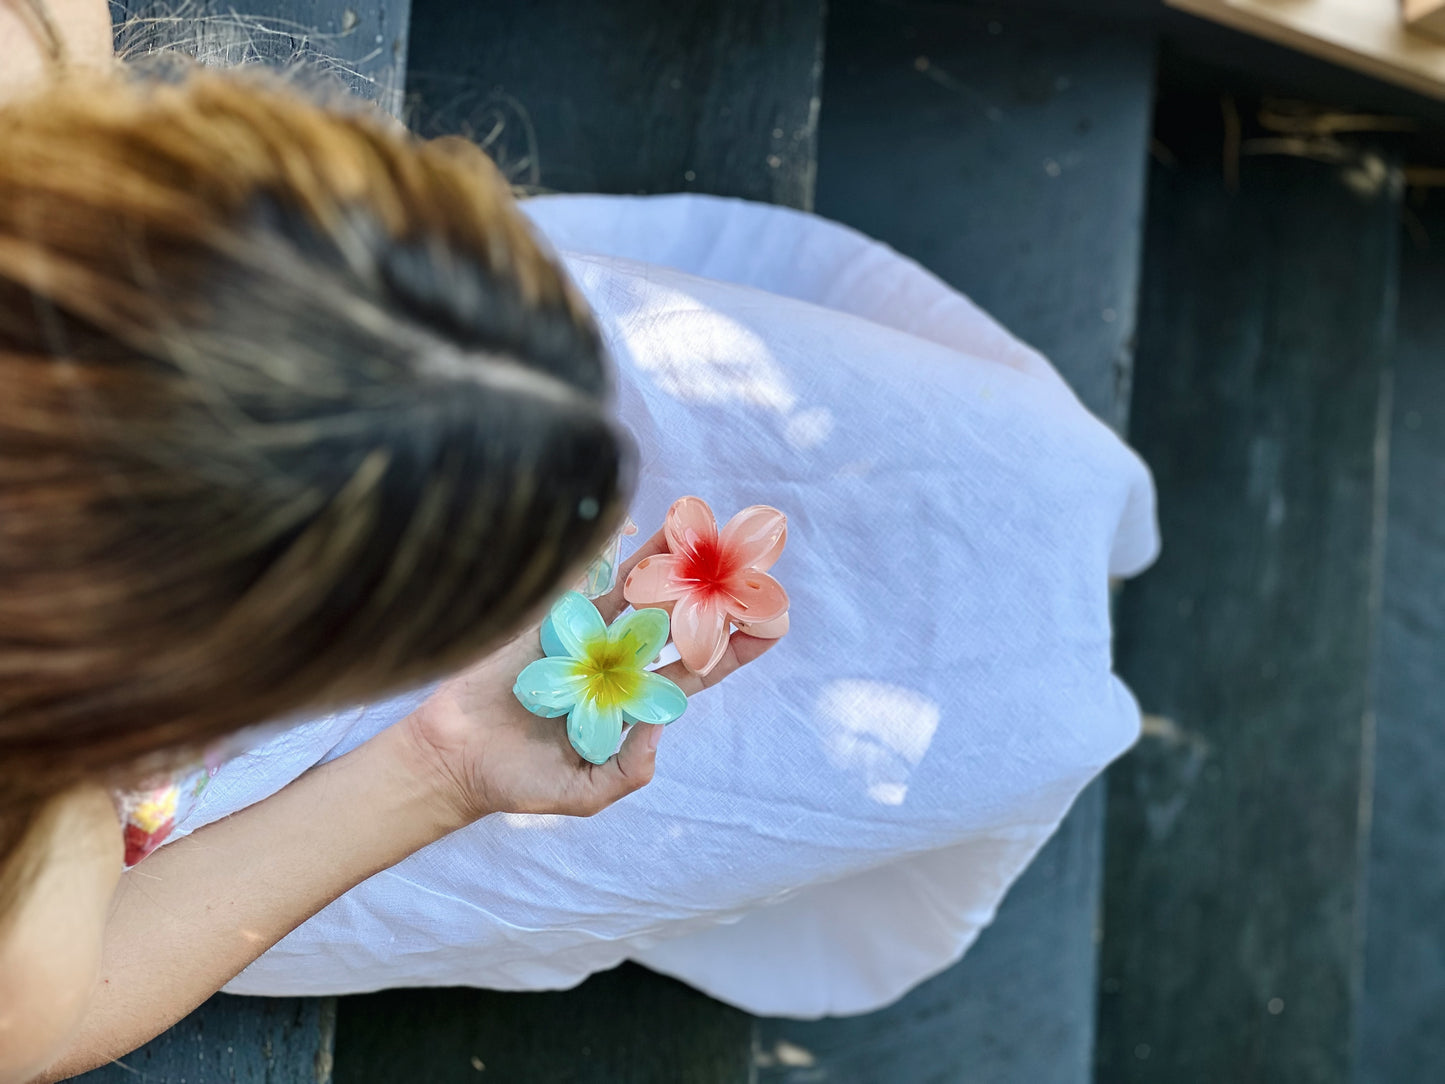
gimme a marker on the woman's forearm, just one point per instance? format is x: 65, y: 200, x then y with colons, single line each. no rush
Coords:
x: 50, y: 943
x: 192, y: 915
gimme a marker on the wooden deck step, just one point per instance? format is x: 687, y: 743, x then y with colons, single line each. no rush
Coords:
x: 362, y: 44
x: 1005, y: 149
x: 627, y: 96
x: 233, y: 1039
x: 1237, y: 831
x: 1402, y: 1025
x: 627, y: 1026
x: 1004, y: 152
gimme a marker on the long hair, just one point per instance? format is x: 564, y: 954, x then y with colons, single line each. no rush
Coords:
x: 293, y: 411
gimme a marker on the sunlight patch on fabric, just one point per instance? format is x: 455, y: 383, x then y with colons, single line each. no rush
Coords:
x: 877, y: 731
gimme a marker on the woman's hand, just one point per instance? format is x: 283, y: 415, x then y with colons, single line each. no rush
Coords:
x: 200, y: 909
x: 490, y: 755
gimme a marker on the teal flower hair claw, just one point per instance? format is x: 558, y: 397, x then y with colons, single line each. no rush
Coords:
x: 597, y: 676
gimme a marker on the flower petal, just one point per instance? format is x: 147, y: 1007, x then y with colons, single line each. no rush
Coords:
x: 655, y: 579
x: 594, y: 730
x: 577, y: 623
x: 643, y: 633
x: 549, y: 687
x: 657, y: 701
x: 755, y: 537
x: 688, y: 522
x: 754, y: 597
x: 775, y: 629
x: 601, y: 574
x: 551, y: 643
x: 700, y: 630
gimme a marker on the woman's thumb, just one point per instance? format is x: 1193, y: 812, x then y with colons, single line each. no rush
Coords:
x: 634, y: 764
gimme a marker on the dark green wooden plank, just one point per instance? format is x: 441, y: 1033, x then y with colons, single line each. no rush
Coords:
x: 625, y: 1025
x: 1005, y: 150
x: 625, y: 96
x: 362, y: 43
x: 628, y: 95
x: 236, y: 1040
x: 1403, y: 1019
x: 1234, y: 864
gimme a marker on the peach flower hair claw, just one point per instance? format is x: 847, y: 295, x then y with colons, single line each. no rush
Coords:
x: 711, y: 580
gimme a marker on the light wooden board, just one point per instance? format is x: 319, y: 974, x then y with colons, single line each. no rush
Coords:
x: 1369, y: 35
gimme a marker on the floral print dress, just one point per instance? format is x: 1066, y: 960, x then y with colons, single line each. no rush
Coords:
x: 149, y: 815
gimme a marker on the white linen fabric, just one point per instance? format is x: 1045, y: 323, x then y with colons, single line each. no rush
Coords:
x: 837, y: 822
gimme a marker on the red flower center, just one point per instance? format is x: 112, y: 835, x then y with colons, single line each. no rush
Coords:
x: 708, y: 567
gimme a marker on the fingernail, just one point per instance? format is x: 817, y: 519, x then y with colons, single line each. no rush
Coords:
x: 654, y: 738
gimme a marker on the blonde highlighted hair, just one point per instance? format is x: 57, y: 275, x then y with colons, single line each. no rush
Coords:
x: 295, y: 411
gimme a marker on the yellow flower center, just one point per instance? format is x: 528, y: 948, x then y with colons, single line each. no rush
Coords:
x: 152, y: 814
x: 612, y: 674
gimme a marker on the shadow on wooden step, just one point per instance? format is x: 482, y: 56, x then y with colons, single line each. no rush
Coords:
x: 628, y: 1025
x: 235, y: 1040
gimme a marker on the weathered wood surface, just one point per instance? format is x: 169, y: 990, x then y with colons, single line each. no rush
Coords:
x: 362, y: 43
x: 1364, y: 34
x: 1021, y: 1007
x: 625, y: 1025
x: 630, y: 95
x: 236, y: 1040
x: 633, y: 96
x: 1403, y: 1013
x: 1234, y: 887
x: 1006, y: 152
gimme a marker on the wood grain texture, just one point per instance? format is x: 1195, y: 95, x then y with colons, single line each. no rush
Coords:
x: 235, y: 1040
x: 1368, y: 35
x: 1403, y: 1013
x: 627, y: 96
x: 625, y: 1025
x: 1006, y: 152
x: 1234, y: 886
x: 361, y: 44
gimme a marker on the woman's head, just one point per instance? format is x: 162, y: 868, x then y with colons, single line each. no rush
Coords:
x: 293, y: 411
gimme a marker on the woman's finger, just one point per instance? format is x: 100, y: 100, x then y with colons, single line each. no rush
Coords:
x: 631, y: 769
x: 741, y: 650
x: 612, y: 603
x: 633, y: 766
